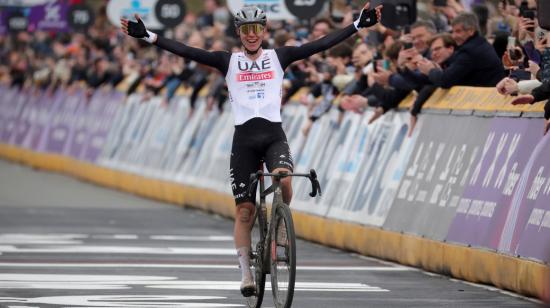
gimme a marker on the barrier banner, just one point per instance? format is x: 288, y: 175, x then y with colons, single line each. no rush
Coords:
x: 99, y: 123
x: 6, y: 108
x: 383, y: 152
x: 23, y: 124
x: 314, y: 155
x: 197, y: 162
x: 180, y: 110
x: 120, y: 136
x: 77, y: 137
x: 15, y: 104
x: 39, y: 121
x: 527, y: 226
x: 432, y: 185
x: 62, y: 123
x: 294, y: 118
x: 138, y: 118
x: 216, y: 163
x: 485, y: 203
x: 185, y: 141
x: 335, y: 178
x: 188, y: 172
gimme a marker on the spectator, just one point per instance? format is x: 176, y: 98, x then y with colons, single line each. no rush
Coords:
x: 475, y: 62
x: 421, y: 34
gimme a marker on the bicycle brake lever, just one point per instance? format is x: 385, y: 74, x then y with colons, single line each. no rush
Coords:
x: 314, y: 184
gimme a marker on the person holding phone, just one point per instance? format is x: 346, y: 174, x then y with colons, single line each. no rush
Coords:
x: 475, y: 62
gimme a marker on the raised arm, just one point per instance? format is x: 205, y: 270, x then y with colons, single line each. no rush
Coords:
x: 216, y: 59
x: 289, y: 54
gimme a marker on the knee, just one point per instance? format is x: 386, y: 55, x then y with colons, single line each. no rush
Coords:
x: 286, y: 183
x: 245, y: 214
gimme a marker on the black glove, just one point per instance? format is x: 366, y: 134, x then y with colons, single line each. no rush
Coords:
x: 366, y: 19
x: 137, y: 29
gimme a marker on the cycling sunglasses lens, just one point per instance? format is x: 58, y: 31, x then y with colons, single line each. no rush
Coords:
x: 254, y: 28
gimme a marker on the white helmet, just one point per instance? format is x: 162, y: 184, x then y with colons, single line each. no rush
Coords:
x: 250, y: 15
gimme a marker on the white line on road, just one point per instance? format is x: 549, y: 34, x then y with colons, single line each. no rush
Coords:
x: 209, y: 238
x: 121, y: 250
x: 199, y: 266
x: 113, y: 282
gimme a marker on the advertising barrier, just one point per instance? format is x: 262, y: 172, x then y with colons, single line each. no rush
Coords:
x: 463, y: 196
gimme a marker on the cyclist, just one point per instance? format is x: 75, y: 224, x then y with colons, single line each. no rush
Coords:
x: 254, y: 78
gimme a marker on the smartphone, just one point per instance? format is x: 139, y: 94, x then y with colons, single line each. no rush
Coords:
x: 371, y: 15
x: 377, y: 57
x: 408, y: 45
x: 440, y: 2
x: 521, y: 74
x: 530, y: 14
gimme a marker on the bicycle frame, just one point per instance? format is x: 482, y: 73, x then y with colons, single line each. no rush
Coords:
x: 265, y: 251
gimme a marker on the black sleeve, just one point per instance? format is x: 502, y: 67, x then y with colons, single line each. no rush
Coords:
x: 289, y: 54
x: 215, y: 59
x: 541, y: 92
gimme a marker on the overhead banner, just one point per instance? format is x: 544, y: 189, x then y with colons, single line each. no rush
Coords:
x: 117, y: 9
x: 434, y: 180
x: 274, y: 9
x: 51, y: 16
x: 3, y: 22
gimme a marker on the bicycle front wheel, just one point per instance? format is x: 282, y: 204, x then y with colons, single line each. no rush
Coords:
x: 283, y: 257
x: 257, y: 252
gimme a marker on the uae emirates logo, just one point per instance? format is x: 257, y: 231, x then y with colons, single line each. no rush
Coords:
x: 254, y: 76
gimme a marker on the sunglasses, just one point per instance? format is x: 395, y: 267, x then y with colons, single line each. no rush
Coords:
x: 251, y: 28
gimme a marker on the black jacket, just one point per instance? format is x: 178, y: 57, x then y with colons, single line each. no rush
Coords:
x: 475, y: 63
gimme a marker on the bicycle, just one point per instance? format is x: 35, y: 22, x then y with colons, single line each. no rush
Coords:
x: 273, y: 248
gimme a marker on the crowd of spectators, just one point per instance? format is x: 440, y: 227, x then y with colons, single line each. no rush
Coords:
x: 485, y: 44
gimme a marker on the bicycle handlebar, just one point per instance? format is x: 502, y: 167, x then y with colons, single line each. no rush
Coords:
x: 312, y: 176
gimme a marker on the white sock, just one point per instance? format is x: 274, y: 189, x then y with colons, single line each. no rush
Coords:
x: 244, y: 260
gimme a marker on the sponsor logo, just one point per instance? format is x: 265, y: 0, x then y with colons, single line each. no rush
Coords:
x: 254, y: 76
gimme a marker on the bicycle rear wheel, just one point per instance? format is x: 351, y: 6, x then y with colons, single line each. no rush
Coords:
x: 283, y: 257
x: 257, y: 261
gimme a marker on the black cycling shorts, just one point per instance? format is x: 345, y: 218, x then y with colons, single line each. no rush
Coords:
x: 255, y: 141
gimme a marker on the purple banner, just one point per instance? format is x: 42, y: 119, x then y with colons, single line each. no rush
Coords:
x: 79, y: 133
x: 15, y: 102
x: 24, y: 121
x: 105, y: 108
x: 484, y: 206
x: 62, y: 124
x: 527, y: 228
x: 51, y: 16
x: 53, y: 113
x: 40, y: 122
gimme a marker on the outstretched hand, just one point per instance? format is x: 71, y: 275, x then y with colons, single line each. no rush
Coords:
x: 368, y: 18
x: 137, y: 29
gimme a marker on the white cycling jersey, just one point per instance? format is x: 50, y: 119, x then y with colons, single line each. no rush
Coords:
x: 255, y: 86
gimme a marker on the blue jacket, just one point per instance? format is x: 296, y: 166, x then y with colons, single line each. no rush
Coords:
x: 474, y: 63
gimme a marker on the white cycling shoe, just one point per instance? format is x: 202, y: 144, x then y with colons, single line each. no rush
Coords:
x: 248, y: 287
